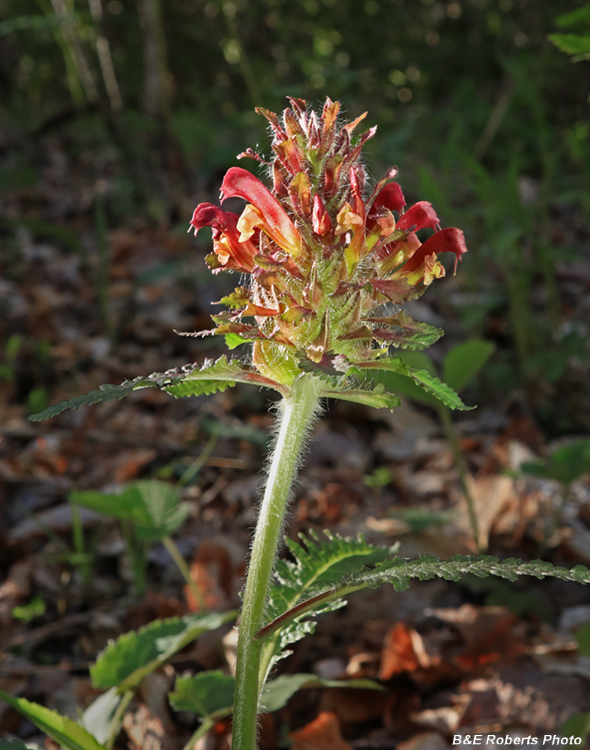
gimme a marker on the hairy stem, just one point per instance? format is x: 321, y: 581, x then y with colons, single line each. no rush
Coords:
x: 296, y: 417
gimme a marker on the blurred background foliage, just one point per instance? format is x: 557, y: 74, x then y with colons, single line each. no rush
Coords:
x: 482, y: 113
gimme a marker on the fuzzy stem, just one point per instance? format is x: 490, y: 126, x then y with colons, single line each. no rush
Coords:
x: 296, y: 417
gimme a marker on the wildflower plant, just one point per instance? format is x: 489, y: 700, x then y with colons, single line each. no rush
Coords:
x: 326, y: 260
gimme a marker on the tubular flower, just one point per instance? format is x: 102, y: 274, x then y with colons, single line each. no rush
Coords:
x: 323, y: 252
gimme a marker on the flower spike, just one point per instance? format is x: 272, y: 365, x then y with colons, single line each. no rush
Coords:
x: 323, y: 251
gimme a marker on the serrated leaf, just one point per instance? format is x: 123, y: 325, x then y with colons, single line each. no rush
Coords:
x: 399, y: 572
x: 204, y: 694
x: 318, y: 563
x: 125, y: 662
x: 404, y: 332
x: 573, y: 44
x: 232, y: 340
x: 421, y: 377
x: 185, y: 389
x: 378, y: 397
x: 464, y: 361
x: 212, y: 376
x: 155, y: 508
x: 404, y: 386
x: 62, y: 730
x: 105, y: 394
x: 276, y: 693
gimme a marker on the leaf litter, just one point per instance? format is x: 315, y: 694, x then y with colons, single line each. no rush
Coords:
x: 463, y: 659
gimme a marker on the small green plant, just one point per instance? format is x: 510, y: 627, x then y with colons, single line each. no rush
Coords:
x: 329, y: 261
x: 27, y: 612
x: 565, y: 465
x: 149, y: 512
x: 460, y: 366
x: 575, y: 44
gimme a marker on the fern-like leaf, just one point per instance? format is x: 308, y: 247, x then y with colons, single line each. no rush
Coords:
x: 189, y: 380
x: 319, y: 564
x: 399, y: 572
x: 422, y: 378
x: 404, y: 332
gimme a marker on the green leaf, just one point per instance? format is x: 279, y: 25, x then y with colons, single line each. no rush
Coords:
x: 27, y: 612
x: 62, y: 730
x: 565, y: 465
x: 154, y: 507
x: 212, y: 693
x: 583, y: 639
x: 101, y: 715
x: 421, y: 377
x: 276, y: 693
x: 319, y: 563
x: 125, y: 662
x: 399, y: 572
x: 577, y: 17
x: 441, y: 391
x: 232, y: 340
x: 190, y: 380
x: 185, y: 389
x: 378, y: 397
x: 12, y: 745
x: 464, y: 361
x: 577, y: 725
x: 404, y: 386
x: 105, y: 394
x: 573, y: 44
x: 404, y: 332
x: 204, y: 694
x: 419, y: 519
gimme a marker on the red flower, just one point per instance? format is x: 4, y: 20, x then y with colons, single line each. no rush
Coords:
x: 232, y: 252
x: 264, y: 211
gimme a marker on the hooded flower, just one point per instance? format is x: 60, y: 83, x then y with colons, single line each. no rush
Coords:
x: 322, y: 251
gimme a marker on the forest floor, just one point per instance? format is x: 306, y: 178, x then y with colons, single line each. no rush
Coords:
x: 82, y: 307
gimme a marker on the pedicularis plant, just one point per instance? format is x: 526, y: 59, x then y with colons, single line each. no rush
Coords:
x: 326, y: 260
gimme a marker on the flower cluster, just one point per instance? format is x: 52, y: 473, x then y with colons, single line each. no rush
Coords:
x: 325, y: 253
